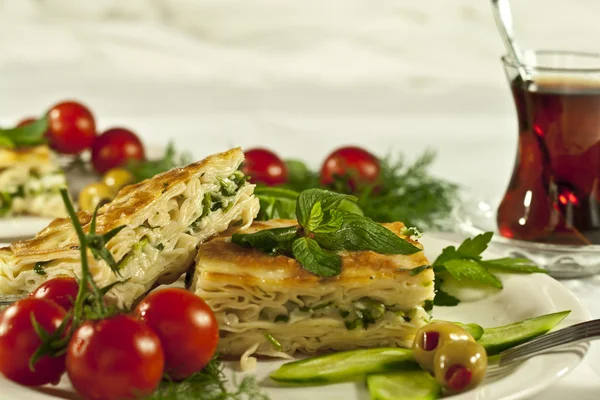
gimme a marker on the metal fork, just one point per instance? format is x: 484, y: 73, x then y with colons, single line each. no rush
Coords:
x: 508, y: 359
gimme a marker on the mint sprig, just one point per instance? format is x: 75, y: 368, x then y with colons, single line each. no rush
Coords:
x: 467, y: 264
x: 327, y: 225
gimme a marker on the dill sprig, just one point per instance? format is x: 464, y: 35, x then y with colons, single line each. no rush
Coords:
x: 409, y: 193
x: 209, y: 384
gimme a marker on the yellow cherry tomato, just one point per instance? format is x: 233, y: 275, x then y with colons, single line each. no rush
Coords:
x: 91, y: 195
x: 116, y: 178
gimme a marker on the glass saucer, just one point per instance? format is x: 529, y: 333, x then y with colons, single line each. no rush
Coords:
x: 477, y: 215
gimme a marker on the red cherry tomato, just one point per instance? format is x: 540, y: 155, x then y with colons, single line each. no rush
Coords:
x: 115, y: 358
x: 61, y: 291
x: 71, y: 127
x: 115, y: 148
x: 357, y: 166
x: 26, y: 121
x: 186, y: 326
x: 264, y: 166
x: 19, y: 341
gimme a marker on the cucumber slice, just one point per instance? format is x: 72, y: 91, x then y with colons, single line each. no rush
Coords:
x: 496, y: 340
x: 405, y: 385
x: 474, y: 330
x: 344, y: 366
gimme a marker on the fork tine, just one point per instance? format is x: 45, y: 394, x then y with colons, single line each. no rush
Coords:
x: 573, y: 334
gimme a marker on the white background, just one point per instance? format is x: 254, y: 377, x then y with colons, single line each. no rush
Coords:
x: 300, y: 77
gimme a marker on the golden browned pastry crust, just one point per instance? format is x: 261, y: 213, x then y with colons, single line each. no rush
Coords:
x: 164, y: 218
x: 250, y: 266
x: 131, y: 201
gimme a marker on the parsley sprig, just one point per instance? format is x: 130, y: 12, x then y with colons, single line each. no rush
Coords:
x: 326, y: 225
x: 465, y: 264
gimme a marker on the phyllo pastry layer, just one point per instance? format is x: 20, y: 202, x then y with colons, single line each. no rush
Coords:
x: 165, y: 219
x: 270, y: 305
x: 30, y: 180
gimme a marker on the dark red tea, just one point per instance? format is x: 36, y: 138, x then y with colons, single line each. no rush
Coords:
x: 554, y: 193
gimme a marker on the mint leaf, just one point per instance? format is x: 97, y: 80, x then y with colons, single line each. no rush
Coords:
x: 315, y: 217
x: 332, y: 223
x: 444, y: 299
x: 350, y: 206
x: 472, y: 248
x: 6, y: 142
x: 514, y: 265
x: 418, y: 270
x: 308, y: 198
x: 29, y: 135
x: 276, y: 203
x: 361, y: 233
x: 448, y: 253
x: 471, y: 270
x: 314, y: 259
x: 271, y: 241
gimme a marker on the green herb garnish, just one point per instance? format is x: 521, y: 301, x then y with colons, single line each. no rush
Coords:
x: 209, y: 384
x: 403, y: 192
x: 467, y: 264
x: 31, y: 134
x: 38, y: 268
x: 142, y: 170
x: 326, y: 226
x: 274, y: 342
x: 418, y: 270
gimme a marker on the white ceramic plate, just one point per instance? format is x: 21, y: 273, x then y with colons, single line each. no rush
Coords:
x: 21, y: 227
x: 523, y: 296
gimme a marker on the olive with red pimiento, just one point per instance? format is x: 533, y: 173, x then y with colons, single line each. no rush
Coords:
x: 432, y: 337
x: 460, y: 365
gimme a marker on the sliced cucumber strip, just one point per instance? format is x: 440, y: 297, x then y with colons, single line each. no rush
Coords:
x: 504, y: 337
x: 345, y: 366
x: 474, y: 330
x: 404, y: 385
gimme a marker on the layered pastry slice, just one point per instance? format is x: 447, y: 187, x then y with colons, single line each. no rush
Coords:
x: 30, y: 179
x: 165, y: 219
x: 270, y: 305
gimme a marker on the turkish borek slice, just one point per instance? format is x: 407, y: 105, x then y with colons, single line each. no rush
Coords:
x: 165, y: 219
x: 269, y: 305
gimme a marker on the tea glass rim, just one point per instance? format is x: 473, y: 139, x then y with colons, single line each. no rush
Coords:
x: 509, y: 62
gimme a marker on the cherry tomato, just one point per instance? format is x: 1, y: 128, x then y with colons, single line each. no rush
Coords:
x: 114, y: 148
x: 19, y: 341
x: 62, y: 291
x: 71, y: 127
x: 186, y: 326
x: 357, y: 166
x: 26, y: 121
x: 264, y: 166
x: 115, y: 358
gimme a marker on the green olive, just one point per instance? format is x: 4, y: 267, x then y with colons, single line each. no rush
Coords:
x: 94, y: 193
x: 460, y: 365
x: 116, y: 178
x: 433, y: 336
